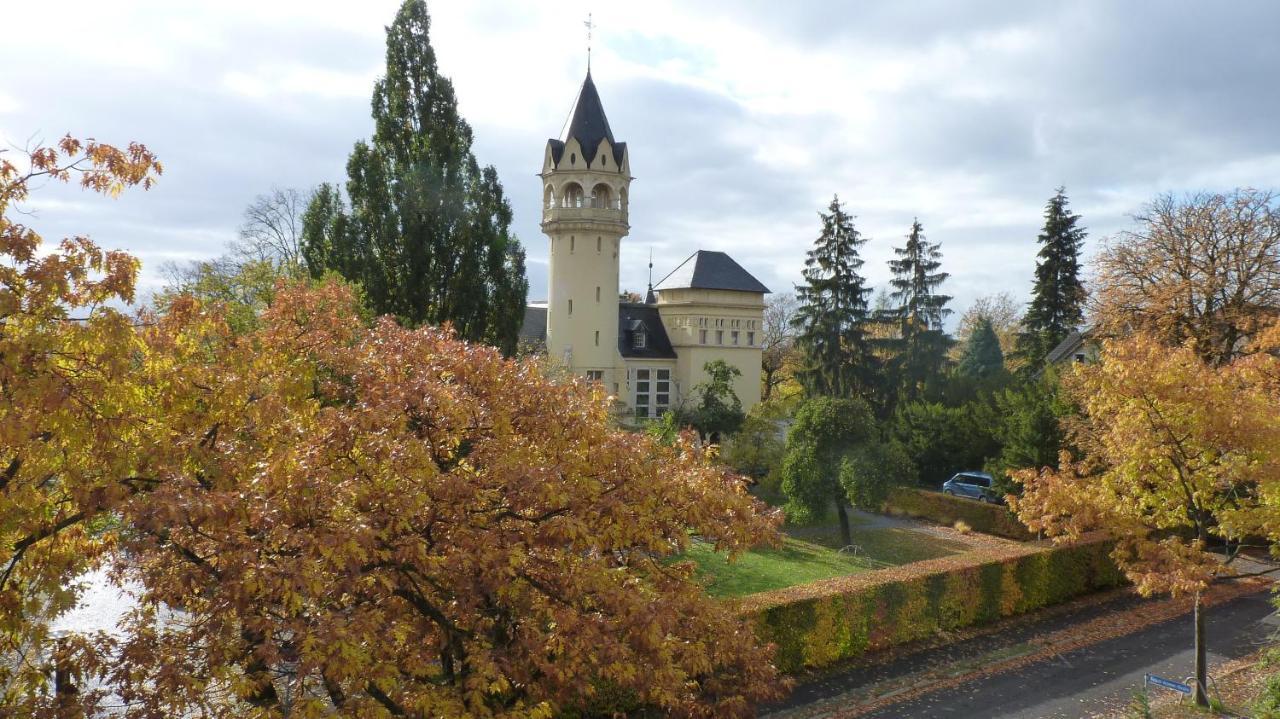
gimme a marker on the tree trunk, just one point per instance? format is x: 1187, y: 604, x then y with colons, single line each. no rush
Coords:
x: 846, y: 536
x: 1201, y: 695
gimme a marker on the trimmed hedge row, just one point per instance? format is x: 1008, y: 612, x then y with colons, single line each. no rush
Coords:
x: 938, y: 507
x: 820, y: 623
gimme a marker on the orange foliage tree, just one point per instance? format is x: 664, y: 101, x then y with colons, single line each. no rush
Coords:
x: 324, y: 516
x: 1179, y: 460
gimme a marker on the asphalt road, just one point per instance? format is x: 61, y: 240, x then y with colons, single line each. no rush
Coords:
x: 1076, y: 683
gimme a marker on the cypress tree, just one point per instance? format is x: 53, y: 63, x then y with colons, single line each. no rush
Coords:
x: 1057, y: 299
x: 919, y: 352
x: 982, y: 356
x: 830, y: 321
x: 428, y: 233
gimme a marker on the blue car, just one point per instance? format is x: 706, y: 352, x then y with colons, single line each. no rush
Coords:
x: 974, y: 485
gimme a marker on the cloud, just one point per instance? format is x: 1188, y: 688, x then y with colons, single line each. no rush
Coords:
x: 743, y: 117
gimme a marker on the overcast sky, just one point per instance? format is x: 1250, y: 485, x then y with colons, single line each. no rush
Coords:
x: 742, y: 118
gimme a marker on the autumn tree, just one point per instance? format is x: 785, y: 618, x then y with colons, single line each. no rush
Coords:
x: 777, y: 342
x: 1058, y: 295
x: 831, y: 319
x: 1179, y: 463
x: 67, y: 406
x: 355, y: 520
x: 424, y: 229
x: 1202, y: 268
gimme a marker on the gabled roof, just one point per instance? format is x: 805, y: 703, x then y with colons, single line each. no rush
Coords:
x: 588, y: 124
x: 1068, y: 346
x: 534, y: 326
x: 635, y: 317
x: 708, y: 270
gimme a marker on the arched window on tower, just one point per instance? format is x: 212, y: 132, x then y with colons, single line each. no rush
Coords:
x: 549, y: 198
x: 572, y: 195
x: 600, y: 195
x: 622, y: 199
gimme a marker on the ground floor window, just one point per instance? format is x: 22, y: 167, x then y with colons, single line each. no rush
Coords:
x: 653, y: 392
x: 595, y: 375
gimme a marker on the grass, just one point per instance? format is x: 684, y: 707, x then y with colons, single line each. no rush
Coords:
x: 795, y: 562
x: 809, y: 553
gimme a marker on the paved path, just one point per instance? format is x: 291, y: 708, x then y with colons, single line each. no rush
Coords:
x: 1075, y: 683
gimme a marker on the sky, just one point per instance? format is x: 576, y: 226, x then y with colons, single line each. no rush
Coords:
x: 742, y: 117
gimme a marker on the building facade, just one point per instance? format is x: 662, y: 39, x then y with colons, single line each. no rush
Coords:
x: 649, y: 355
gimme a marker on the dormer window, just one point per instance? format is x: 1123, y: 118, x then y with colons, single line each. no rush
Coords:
x: 638, y: 340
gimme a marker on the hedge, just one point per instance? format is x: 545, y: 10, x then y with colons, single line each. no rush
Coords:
x: 944, y: 509
x: 816, y: 624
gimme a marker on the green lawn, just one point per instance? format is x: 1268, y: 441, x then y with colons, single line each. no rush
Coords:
x: 809, y: 554
x: 795, y: 562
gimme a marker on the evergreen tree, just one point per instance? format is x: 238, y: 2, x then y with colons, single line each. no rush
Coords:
x: 982, y: 357
x: 919, y: 352
x: 428, y: 233
x: 833, y: 311
x: 1057, y: 302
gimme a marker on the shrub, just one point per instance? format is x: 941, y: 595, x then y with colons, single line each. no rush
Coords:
x: 937, y: 507
x: 823, y: 622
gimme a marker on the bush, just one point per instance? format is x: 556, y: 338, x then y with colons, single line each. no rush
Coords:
x: 817, y: 624
x: 937, y: 507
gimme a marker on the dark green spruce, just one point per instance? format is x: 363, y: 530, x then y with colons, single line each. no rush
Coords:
x: 918, y: 353
x: 982, y: 357
x: 424, y: 230
x: 1058, y: 297
x: 831, y: 319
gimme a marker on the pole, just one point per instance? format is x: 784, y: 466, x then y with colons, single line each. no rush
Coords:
x: 1202, y: 678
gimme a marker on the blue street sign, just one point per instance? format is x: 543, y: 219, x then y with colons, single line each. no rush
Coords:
x: 1168, y: 684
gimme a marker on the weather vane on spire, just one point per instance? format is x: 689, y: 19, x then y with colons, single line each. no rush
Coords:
x: 589, y: 25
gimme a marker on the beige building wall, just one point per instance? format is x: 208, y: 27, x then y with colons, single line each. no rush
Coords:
x: 703, y: 326
x: 585, y: 216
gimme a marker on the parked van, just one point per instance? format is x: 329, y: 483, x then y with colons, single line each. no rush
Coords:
x: 974, y: 485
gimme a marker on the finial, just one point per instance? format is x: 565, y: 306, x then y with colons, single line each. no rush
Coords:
x: 649, y: 298
x: 589, y: 26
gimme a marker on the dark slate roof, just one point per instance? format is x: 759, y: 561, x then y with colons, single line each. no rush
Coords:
x: 589, y: 125
x: 1068, y: 346
x: 534, y: 326
x: 707, y: 270
x: 635, y: 317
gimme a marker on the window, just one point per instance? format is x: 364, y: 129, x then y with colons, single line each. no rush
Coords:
x: 572, y: 242
x: 598, y: 244
x: 570, y: 308
x: 719, y: 333
x: 662, y: 390
x: 638, y: 340
x: 595, y: 375
x: 751, y: 339
x: 597, y: 294
x: 573, y: 158
x: 1079, y: 356
x: 734, y: 335
x: 702, y: 336
x: 597, y: 338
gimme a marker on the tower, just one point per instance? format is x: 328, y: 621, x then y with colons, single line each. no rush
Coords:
x: 585, y: 178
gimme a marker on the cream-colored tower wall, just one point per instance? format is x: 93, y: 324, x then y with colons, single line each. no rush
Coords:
x: 703, y: 326
x: 584, y: 215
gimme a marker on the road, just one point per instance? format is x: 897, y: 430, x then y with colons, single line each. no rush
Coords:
x: 1075, y: 683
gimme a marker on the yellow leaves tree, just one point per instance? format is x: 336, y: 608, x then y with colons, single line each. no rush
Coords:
x: 326, y: 517
x: 1179, y: 462
x: 67, y: 401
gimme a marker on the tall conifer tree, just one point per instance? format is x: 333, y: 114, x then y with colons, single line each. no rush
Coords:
x: 918, y: 352
x: 428, y: 233
x: 982, y: 356
x: 833, y: 311
x: 1057, y: 301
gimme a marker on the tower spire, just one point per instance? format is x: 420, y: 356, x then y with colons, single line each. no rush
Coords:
x: 649, y: 299
x: 590, y: 25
